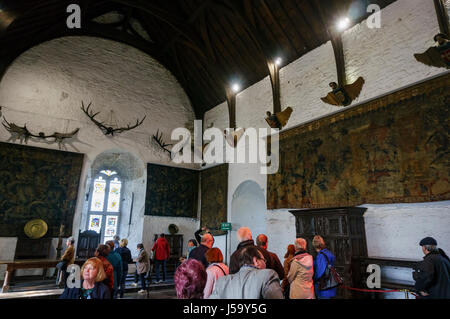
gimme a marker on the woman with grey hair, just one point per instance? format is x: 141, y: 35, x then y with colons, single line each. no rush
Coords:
x: 301, y: 272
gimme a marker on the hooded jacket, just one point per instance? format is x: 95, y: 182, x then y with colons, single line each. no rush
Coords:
x: 300, y: 276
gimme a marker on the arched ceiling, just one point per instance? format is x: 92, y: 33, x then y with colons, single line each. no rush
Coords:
x: 206, y: 44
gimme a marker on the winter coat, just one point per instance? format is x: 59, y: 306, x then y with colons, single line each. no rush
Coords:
x: 433, y: 276
x: 161, y: 249
x: 125, y: 254
x: 287, y: 266
x: 214, y: 272
x: 320, y: 264
x: 143, y: 263
x: 234, y: 259
x: 300, y: 276
x: 199, y: 254
x: 69, y: 255
x: 116, y: 261
x: 276, y: 265
x: 100, y: 291
x: 109, y: 270
x: 249, y: 283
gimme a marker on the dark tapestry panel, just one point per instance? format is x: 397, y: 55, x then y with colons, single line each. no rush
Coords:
x: 171, y: 191
x: 214, y: 197
x: 37, y: 183
x: 394, y: 149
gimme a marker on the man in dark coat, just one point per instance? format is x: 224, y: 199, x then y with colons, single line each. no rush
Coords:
x: 198, y: 253
x: 432, y: 275
x: 244, y: 236
x: 262, y: 241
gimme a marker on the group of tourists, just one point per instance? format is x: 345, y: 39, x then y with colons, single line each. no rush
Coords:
x: 254, y: 272
x: 104, y: 276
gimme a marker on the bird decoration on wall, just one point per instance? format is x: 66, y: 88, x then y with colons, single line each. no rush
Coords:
x: 108, y: 129
x: 233, y: 137
x: 24, y: 134
x: 344, y: 95
x: 439, y: 55
x: 279, y: 119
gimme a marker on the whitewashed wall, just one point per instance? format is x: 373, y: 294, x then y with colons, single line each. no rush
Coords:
x: 44, y: 88
x: 384, y: 57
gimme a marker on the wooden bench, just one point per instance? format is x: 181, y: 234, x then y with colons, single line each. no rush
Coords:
x: 12, y: 265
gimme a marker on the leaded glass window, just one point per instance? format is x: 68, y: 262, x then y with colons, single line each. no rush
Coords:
x: 105, y: 204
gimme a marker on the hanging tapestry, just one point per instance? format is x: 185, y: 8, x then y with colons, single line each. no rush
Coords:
x: 214, y: 183
x: 37, y: 183
x: 171, y: 191
x: 394, y: 149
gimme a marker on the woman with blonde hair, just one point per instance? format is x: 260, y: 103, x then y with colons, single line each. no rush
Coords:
x: 91, y: 286
x: 125, y: 253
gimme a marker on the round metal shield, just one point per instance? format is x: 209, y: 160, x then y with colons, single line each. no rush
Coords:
x: 36, y: 228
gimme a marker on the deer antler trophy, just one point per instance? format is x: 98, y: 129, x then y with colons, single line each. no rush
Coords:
x: 107, y: 129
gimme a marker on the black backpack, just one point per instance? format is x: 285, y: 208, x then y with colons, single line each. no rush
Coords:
x: 330, y: 278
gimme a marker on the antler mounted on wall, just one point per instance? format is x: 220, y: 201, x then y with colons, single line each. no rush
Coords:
x: 107, y: 129
x: 24, y: 134
x: 158, y: 139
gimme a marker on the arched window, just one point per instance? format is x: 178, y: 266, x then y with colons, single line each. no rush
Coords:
x: 104, y: 206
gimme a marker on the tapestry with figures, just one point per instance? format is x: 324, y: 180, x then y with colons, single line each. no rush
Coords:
x: 394, y: 149
x: 37, y: 183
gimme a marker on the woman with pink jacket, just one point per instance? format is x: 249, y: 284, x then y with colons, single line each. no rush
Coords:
x: 301, y: 272
x: 215, y: 270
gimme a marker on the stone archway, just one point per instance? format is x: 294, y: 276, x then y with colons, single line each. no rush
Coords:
x: 248, y: 207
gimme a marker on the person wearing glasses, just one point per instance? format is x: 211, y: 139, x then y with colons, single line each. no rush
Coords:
x: 252, y: 281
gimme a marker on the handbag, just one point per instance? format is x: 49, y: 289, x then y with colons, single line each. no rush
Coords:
x: 330, y: 278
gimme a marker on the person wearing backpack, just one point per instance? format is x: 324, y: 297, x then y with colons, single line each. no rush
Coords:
x: 324, y: 257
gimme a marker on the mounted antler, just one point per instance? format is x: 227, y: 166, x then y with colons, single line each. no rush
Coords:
x: 24, y: 134
x: 21, y: 132
x: 108, y: 130
x: 159, y: 140
x: 60, y: 137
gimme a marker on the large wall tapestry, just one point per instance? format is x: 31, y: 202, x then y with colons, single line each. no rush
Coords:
x: 37, y: 183
x: 214, y: 183
x: 171, y: 191
x: 394, y: 149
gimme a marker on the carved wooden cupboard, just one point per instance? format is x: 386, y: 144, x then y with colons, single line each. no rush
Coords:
x: 344, y: 234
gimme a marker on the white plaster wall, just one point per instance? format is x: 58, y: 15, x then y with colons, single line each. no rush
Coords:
x: 44, y: 88
x: 395, y: 230
x: 384, y: 57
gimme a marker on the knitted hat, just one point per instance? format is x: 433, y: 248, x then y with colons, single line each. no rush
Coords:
x: 428, y: 241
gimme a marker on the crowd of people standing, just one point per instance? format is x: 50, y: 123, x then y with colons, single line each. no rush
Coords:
x: 254, y: 272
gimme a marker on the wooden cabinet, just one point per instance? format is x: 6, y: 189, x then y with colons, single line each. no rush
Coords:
x: 344, y: 234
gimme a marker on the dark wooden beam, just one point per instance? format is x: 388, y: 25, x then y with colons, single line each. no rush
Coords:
x: 442, y: 17
x: 231, y: 102
x: 275, y: 81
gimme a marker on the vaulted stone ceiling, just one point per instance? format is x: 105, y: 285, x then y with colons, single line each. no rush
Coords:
x: 206, y: 44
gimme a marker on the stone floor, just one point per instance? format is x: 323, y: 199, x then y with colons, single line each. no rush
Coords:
x: 155, y: 294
